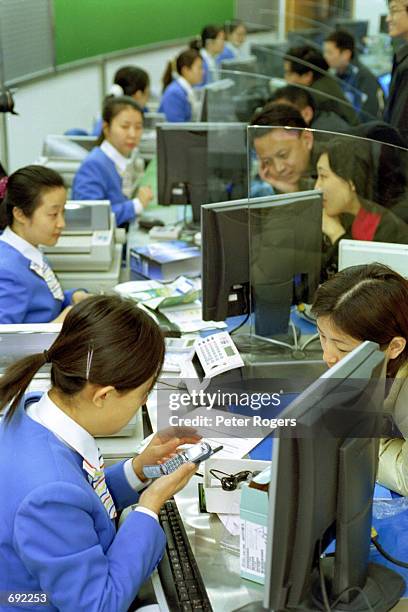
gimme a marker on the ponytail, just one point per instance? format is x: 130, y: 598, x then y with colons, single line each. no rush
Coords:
x: 14, y: 382
x: 168, y: 74
x: 196, y: 44
x: 185, y: 59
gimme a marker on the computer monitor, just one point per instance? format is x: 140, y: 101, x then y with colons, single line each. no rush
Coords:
x: 20, y: 340
x: 310, y: 36
x: 200, y: 163
x: 217, y: 101
x: 322, y: 482
x: 248, y: 64
x: 263, y: 254
x: 357, y: 28
x: 270, y: 58
x: 360, y: 252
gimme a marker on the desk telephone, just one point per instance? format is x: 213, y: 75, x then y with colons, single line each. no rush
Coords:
x: 217, y: 354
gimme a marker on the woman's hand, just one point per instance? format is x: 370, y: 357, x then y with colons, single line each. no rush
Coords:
x: 332, y: 227
x: 80, y: 295
x: 163, y: 446
x: 166, y: 486
x: 145, y: 195
x: 62, y: 315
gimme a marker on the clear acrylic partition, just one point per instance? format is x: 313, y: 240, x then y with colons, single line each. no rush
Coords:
x: 270, y: 49
x: 237, y: 95
x: 308, y: 190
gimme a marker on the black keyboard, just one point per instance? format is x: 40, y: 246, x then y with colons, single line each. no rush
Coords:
x: 179, y: 574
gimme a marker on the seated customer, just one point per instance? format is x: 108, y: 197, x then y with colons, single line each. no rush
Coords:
x: 108, y: 173
x: 370, y: 302
x: 345, y: 178
x: 179, y: 102
x: 128, y: 81
x: 360, y: 86
x: 306, y: 66
x: 32, y: 213
x: 302, y: 99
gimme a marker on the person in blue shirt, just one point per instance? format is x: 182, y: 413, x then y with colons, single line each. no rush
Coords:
x: 178, y: 102
x: 58, y: 503
x: 108, y: 172
x: 234, y: 48
x: 210, y: 44
x: 128, y: 81
x: 32, y: 213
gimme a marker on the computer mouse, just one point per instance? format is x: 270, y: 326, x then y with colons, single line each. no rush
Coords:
x: 149, y: 222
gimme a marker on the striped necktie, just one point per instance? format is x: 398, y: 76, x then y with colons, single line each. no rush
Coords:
x: 96, y: 478
x: 47, y: 273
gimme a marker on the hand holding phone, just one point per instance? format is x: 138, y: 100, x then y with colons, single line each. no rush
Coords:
x: 195, y: 454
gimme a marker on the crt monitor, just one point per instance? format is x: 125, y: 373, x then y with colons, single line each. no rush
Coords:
x: 310, y: 36
x: 361, y: 252
x: 270, y: 58
x: 357, y: 28
x: 262, y: 254
x: 322, y: 481
x: 200, y: 163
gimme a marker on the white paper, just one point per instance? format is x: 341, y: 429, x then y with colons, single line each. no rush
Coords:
x: 187, y: 317
x: 253, y: 548
x: 231, y: 523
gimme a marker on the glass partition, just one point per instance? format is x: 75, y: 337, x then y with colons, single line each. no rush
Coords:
x: 333, y: 198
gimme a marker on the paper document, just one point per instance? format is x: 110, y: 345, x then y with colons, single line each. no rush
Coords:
x: 188, y: 318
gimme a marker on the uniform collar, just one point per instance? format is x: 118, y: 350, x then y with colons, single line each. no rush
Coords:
x: 210, y: 59
x: 47, y: 413
x: 185, y: 85
x: 22, y: 246
x: 118, y: 159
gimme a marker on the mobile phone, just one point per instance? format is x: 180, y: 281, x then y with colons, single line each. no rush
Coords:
x: 195, y: 454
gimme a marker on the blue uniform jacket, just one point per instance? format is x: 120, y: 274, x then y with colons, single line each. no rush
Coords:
x: 24, y: 295
x: 226, y: 54
x: 175, y: 104
x: 98, y: 179
x: 55, y: 534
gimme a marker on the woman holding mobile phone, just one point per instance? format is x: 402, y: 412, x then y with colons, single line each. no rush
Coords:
x: 57, y: 533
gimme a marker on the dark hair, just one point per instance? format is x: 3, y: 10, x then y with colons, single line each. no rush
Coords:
x: 25, y: 188
x: 298, y: 96
x: 343, y: 40
x: 367, y: 302
x: 124, y: 346
x: 351, y: 161
x: 112, y: 106
x: 311, y: 60
x: 209, y: 32
x: 186, y: 58
x: 276, y: 115
x: 131, y: 79
x: 232, y: 25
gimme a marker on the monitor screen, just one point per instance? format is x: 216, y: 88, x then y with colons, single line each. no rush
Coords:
x: 200, y: 163
x: 357, y: 28
x: 263, y: 254
x: 322, y: 482
x: 270, y: 58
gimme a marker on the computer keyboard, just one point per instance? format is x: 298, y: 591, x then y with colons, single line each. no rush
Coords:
x: 178, y: 570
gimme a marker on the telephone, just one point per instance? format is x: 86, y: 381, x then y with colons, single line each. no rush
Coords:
x: 217, y: 354
x: 195, y: 454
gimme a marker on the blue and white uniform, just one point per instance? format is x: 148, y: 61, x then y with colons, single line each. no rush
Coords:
x: 101, y: 177
x: 210, y: 68
x: 29, y: 290
x: 56, y: 533
x: 178, y: 102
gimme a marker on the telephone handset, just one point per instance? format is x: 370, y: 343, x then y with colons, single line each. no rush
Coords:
x: 217, y: 354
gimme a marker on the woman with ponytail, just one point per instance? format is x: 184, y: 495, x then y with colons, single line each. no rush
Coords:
x: 210, y: 44
x: 178, y: 102
x: 57, y: 530
x: 32, y: 202
x: 128, y: 81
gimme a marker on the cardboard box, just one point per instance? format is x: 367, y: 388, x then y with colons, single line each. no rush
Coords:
x: 253, y: 533
x: 226, y: 502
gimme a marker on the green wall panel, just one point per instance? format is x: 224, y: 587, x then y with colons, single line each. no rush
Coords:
x: 84, y: 28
